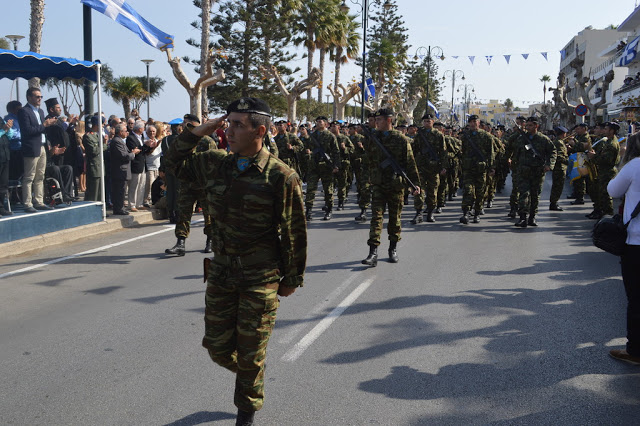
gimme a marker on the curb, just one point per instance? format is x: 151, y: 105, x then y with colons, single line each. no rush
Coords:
x: 38, y: 242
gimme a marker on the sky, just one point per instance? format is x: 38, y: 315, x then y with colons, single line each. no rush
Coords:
x: 461, y: 28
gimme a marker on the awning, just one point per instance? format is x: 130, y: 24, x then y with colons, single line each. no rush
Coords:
x: 14, y: 64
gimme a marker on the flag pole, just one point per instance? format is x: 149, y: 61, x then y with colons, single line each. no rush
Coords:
x: 88, y: 56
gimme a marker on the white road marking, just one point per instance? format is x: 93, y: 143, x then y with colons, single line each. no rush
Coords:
x: 295, y: 352
x: 92, y: 251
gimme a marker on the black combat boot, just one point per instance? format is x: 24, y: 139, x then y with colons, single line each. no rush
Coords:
x: 489, y: 204
x: 438, y: 209
x: 363, y: 216
x: 245, y: 418
x: 597, y: 215
x: 327, y: 214
x: 430, y: 217
x: 480, y: 212
x: 450, y: 197
x: 340, y: 205
x: 372, y: 259
x: 406, y: 199
x: 464, y: 219
x: 532, y: 220
x: 522, y: 223
x: 417, y: 218
x: 577, y: 202
x: 393, y: 253
x: 476, y: 219
x: 571, y: 196
x: 512, y: 213
x: 308, y: 214
x: 207, y: 246
x: 555, y: 207
x: 178, y: 248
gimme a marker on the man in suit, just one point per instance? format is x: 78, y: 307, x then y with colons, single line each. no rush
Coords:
x: 58, y: 142
x: 34, y: 150
x: 121, y: 159
x: 135, y: 140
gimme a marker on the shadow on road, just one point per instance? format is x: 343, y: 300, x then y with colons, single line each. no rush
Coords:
x: 202, y: 417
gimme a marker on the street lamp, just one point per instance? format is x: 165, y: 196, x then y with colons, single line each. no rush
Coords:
x: 364, y: 5
x: 148, y: 62
x: 453, y: 74
x: 437, y: 52
x: 15, y: 39
x: 469, y: 90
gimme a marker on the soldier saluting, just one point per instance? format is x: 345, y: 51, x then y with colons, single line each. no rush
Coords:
x: 260, y: 243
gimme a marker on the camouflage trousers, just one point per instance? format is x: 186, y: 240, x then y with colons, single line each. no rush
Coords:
x: 490, y: 187
x: 430, y: 179
x: 452, y: 178
x: 342, y: 181
x: 604, y: 202
x: 381, y: 199
x: 530, y: 181
x: 187, y: 197
x: 443, y: 187
x: 474, y: 188
x: 239, y: 319
x: 558, y: 177
x: 323, y: 173
x: 515, y: 194
x: 362, y: 184
x: 580, y: 187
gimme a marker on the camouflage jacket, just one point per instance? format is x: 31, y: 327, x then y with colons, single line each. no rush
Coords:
x: 454, y: 146
x: 282, y: 141
x: 477, y: 150
x: 607, y: 155
x: 270, y: 144
x: 535, y: 151
x: 259, y: 213
x: 347, y: 152
x: 358, y: 153
x: 562, y: 155
x: 399, y: 147
x: 510, y: 144
x: 583, y: 143
x: 324, y: 141
x: 430, y: 150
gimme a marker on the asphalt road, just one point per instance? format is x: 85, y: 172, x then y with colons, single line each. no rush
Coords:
x: 477, y: 324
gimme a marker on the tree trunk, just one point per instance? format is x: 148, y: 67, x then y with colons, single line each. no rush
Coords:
x: 336, y: 82
x: 204, y: 50
x: 310, y: 53
x: 293, y: 108
x: 323, y: 54
x: 266, y: 62
x: 126, y: 105
x: 35, y: 32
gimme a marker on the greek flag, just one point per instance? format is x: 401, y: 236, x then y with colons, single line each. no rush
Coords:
x: 125, y: 15
x: 434, y: 108
x: 629, y: 53
x: 370, y: 91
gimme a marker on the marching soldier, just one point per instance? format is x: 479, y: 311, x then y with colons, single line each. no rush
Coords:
x: 361, y: 170
x: 581, y: 144
x: 443, y: 185
x: 492, y: 182
x: 559, y: 173
x: 288, y: 146
x: 260, y: 246
x: 346, y: 151
x: 605, y: 155
x: 304, y: 157
x: 510, y: 147
x: 430, y: 150
x: 454, y: 150
x: 324, y: 165
x: 478, y: 158
x: 387, y: 185
x: 536, y: 155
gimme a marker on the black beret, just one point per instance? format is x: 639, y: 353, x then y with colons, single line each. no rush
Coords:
x: 335, y: 123
x: 585, y: 125
x: 473, y: 117
x: 427, y: 116
x: 402, y: 126
x: 612, y: 125
x: 249, y: 106
x: 371, y: 114
x: 521, y: 118
x: 561, y: 129
x: 601, y: 125
x: 322, y: 117
x: 385, y: 112
x: 532, y: 120
x: 438, y: 124
x: 413, y: 125
x: 191, y: 117
x: 50, y: 103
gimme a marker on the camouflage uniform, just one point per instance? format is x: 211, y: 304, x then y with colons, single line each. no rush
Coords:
x: 342, y: 179
x: 260, y: 243
x: 492, y: 181
x: 510, y: 148
x: 305, y: 158
x: 286, y: 155
x: 387, y: 187
x: 559, y: 174
x: 190, y: 192
x: 531, y: 170
x: 583, y: 144
x: 606, y: 158
x: 454, y: 149
x: 320, y: 168
x: 270, y: 144
x: 430, y: 150
x: 360, y: 168
x: 478, y: 158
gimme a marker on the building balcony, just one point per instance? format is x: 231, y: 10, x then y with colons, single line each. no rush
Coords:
x: 622, y: 97
x: 630, y: 87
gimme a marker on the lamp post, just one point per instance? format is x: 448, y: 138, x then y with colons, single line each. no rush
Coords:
x: 15, y: 39
x: 437, y: 51
x: 453, y: 74
x: 468, y: 91
x: 148, y: 62
x: 364, y: 5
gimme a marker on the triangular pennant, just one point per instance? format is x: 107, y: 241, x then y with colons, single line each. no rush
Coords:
x: 544, y: 54
x: 455, y: 57
x: 507, y: 58
x: 525, y: 56
x: 421, y: 56
x: 489, y: 59
x: 472, y: 58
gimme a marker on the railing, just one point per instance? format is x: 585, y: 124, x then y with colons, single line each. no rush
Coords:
x: 627, y: 88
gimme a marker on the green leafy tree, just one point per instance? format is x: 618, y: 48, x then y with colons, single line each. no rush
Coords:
x: 545, y: 79
x: 415, y: 78
x: 125, y: 90
x: 156, y: 85
x: 4, y: 44
x: 508, y: 105
x: 346, y: 47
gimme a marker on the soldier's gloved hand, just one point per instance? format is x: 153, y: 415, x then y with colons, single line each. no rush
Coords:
x: 417, y: 191
x: 285, y: 291
x: 209, y: 126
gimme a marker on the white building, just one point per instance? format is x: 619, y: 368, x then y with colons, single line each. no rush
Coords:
x: 625, y: 95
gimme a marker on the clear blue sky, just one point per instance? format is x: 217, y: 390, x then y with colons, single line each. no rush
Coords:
x: 461, y: 28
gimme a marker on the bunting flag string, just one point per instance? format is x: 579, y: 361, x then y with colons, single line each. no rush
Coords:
x: 507, y: 58
x: 472, y: 58
x: 489, y: 59
x: 544, y: 54
x: 525, y: 56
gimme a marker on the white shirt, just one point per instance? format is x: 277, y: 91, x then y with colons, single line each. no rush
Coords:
x: 36, y: 111
x: 627, y: 184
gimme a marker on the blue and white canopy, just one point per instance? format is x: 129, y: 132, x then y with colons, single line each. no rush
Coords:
x: 16, y: 64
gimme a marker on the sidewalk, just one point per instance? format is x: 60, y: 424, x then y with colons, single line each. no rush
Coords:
x: 112, y: 223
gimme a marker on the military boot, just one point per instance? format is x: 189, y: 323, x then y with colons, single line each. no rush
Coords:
x: 522, y: 223
x: 430, y: 217
x: 393, y: 252
x: 464, y: 219
x: 207, y: 246
x: 489, y: 204
x: 327, y: 214
x: 475, y: 219
x: 512, y: 213
x: 372, y: 259
x: 308, y: 214
x: 417, y: 218
x: 577, y: 202
x: 438, y: 209
x: 362, y: 217
x: 178, y: 248
x: 340, y: 205
x: 479, y: 212
x: 450, y: 197
x: 555, y: 207
x: 532, y: 220
x: 406, y: 199
x: 245, y: 418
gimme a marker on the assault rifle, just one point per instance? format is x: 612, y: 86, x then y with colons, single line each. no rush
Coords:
x: 389, y: 161
x: 319, y: 150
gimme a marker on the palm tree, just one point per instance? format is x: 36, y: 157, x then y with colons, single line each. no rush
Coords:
x: 124, y: 90
x: 545, y: 79
x: 35, y: 32
x: 508, y: 105
x: 346, y: 48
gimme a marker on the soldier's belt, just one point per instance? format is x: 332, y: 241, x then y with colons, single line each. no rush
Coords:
x: 246, y: 260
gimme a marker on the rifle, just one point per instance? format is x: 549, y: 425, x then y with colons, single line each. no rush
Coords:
x: 389, y: 160
x: 477, y: 151
x: 429, y: 149
x: 319, y: 150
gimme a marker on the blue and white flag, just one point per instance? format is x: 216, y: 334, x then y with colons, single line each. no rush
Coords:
x: 125, y: 15
x: 629, y: 54
x: 370, y: 91
x: 432, y: 106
